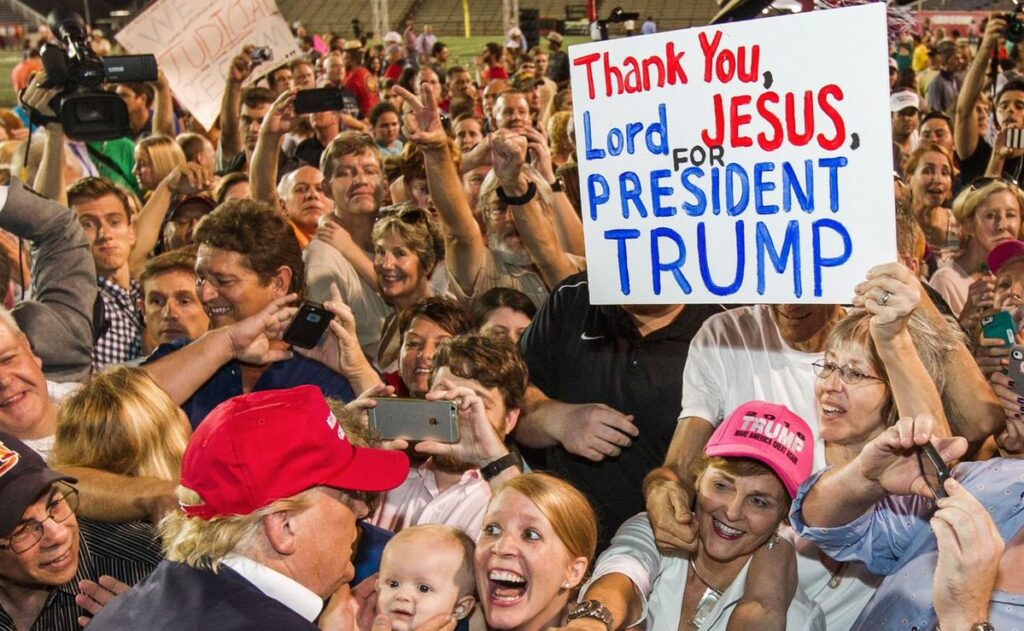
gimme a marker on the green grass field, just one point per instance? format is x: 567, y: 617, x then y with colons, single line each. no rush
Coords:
x: 463, y: 50
x: 8, y: 59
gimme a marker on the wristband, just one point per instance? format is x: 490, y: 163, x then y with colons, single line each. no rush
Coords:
x: 531, y: 191
x: 491, y: 470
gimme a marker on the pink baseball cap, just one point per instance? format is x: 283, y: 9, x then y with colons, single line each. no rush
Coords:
x: 257, y: 448
x: 1004, y: 253
x: 771, y: 433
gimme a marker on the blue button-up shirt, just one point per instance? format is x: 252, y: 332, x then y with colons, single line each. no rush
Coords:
x: 896, y: 540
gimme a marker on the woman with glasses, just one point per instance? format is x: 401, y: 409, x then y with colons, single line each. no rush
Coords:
x: 989, y: 213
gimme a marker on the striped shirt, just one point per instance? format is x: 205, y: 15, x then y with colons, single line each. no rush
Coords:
x: 127, y: 551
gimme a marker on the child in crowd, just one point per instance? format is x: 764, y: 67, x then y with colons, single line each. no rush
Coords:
x: 426, y: 571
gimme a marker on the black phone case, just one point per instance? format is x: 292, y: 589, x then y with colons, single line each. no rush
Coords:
x: 309, y: 325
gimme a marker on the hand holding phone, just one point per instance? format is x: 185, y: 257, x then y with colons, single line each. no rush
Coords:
x: 1000, y: 326
x: 308, y: 326
x: 415, y: 420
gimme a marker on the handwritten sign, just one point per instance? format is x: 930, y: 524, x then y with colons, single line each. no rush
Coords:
x: 195, y: 40
x: 745, y: 163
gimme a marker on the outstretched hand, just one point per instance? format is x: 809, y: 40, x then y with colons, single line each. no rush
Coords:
x: 423, y: 120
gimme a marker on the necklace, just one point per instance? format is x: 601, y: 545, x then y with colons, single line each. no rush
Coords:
x: 693, y: 566
x: 707, y: 601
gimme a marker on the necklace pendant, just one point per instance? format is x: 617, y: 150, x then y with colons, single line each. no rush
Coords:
x: 705, y: 606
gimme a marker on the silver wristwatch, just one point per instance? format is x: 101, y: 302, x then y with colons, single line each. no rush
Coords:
x: 591, y: 609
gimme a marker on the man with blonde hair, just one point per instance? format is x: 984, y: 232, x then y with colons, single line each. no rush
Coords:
x: 266, y: 528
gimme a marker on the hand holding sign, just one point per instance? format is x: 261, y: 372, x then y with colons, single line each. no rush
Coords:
x: 891, y: 294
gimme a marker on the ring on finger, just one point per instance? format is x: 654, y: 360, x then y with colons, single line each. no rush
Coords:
x: 884, y: 298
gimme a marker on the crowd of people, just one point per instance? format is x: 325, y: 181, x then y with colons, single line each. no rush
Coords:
x: 168, y: 461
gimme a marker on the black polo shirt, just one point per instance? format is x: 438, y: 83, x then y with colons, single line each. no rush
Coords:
x: 581, y: 353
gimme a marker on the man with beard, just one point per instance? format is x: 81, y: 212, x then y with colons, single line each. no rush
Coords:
x: 443, y: 489
x: 102, y: 210
x: 522, y: 250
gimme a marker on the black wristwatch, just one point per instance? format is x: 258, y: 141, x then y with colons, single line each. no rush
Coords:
x: 531, y: 191
x: 491, y: 470
x: 591, y: 609
x: 558, y: 186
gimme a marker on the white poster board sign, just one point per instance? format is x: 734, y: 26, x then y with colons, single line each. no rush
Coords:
x: 744, y: 163
x: 195, y: 40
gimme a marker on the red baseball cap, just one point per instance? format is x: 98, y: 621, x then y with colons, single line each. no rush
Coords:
x: 1004, y: 253
x: 261, y: 447
x: 771, y: 433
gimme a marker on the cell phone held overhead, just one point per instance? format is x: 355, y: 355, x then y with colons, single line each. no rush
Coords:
x: 415, y: 420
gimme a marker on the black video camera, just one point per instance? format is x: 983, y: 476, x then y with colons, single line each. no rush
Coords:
x: 84, y: 109
x: 1015, y: 24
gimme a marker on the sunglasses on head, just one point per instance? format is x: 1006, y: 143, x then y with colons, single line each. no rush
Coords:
x: 982, y: 182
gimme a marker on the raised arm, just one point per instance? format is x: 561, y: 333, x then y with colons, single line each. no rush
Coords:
x: 567, y: 224
x: 965, y: 134
x: 534, y: 225
x: 465, y: 248
x: 163, y: 107
x: 184, y: 180
x: 231, y: 140
x: 263, y: 173
x: 892, y: 295
x: 58, y: 319
x: 49, y: 180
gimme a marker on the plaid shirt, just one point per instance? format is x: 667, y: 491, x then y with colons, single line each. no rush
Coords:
x: 121, y: 340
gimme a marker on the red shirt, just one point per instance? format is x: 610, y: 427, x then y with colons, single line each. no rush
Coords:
x: 363, y: 84
x: 494, y: 72
x: 394, y: 71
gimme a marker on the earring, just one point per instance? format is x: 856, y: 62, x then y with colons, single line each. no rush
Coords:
x: 565, y: 585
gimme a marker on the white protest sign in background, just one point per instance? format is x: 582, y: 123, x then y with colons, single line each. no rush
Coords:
x: 195, y: 40
x: 744, y: 163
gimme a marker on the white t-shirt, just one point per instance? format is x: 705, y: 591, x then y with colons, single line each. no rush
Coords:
x: 739, y: 356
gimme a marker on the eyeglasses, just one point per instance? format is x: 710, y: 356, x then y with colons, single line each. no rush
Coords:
x: 982, y: 182
x: 933, y: 469
x: 28, y: 534
x: 850, y: 375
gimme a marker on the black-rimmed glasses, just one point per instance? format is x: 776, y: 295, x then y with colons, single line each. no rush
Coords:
x: 62, y: 505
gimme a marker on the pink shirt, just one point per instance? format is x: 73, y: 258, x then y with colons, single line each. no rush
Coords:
x: 418, y: 501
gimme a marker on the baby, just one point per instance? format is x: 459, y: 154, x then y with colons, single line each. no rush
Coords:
x: 425, y: 571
